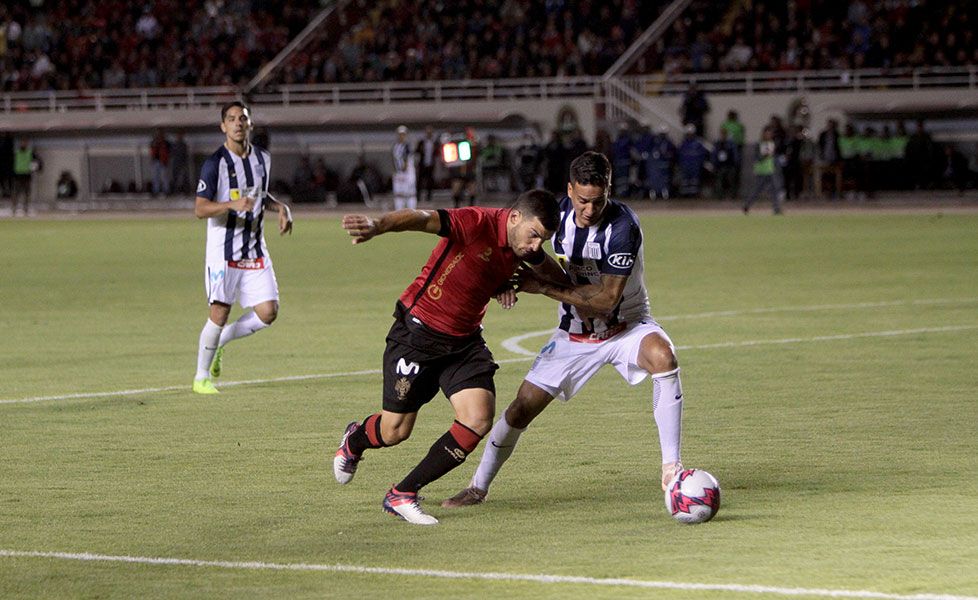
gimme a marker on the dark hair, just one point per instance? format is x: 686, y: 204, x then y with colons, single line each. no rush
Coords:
x: 539, y: 204
x: 591, y: 168
x: 230, y: 105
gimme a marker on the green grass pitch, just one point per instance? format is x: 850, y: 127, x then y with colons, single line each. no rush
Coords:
x: 829, y: 365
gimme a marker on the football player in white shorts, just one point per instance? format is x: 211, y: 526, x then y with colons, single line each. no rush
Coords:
x: 232, y: 195
x: 604, y: 318
x: 404, y: 179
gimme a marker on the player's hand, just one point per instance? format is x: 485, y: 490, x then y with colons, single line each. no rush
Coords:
x: 360, y: 227
x: 244, y: 204
x: 284, y: 220
x: 507, y: 299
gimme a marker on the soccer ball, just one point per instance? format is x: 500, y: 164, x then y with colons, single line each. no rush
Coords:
x: 693, y: 496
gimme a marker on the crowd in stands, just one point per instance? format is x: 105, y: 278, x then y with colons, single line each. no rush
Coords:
x: 473, y: 39
x: 851, y: 162
x: 92, y: 44
x: 790, y: 35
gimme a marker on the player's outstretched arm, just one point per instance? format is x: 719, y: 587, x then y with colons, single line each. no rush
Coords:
x: 593, y: 299
x: 550, y: 270
x: 362, y: 228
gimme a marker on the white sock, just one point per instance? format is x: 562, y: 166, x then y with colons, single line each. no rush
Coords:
x: 206, y: 348
x: 399, y: 202
x: 497, y: 449
x: 412, y: 202
x: 667, y: 407
x: 246, y: 325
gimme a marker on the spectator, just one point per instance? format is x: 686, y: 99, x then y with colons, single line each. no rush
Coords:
x: 725, y: 162
x: 829, y: 159
x: 920, y: 157
x: 67, y: 187
x: 642, y: 149
x: 529, y: 158
x: 736, y: 134
x: 954, y: 168
x: 25, y: 164
x: 494, y: 164
x: 427, y: 152
x: 694, y: 108
x: 621, y: 162
x: 555, y: 156
x: 660, y: 164
x: 302, y: 179
x: 764, y: 173
x: 6, y: 163
x: 692, y: 158
x: 180, y: 163
x: 159, y: 154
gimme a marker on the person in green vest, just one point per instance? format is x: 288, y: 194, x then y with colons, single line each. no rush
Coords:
x: 736, y: 134
x: 764, y: 176
x: 850, y: 147
x: 23, y: 173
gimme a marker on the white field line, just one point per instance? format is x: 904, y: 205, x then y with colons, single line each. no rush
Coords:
x: 513, y: 345
x: 517, y: 577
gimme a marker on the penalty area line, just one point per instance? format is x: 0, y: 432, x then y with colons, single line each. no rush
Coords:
x: 511, y: 344
x: 485, y: 576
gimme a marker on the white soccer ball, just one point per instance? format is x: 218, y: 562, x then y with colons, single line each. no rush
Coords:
x: 693, y: 496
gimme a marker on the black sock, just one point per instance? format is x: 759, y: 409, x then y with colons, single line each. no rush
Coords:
x: 367, y: 436
x: 445, y: 454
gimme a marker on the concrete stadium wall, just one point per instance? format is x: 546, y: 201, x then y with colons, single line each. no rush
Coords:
x: 340, y: 132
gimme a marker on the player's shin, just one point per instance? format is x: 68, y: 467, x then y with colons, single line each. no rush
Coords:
x: 667, y: 407
x: 246, y: 325
x: 206, y: 347
x: 445, y: 454
x: 499, y: 447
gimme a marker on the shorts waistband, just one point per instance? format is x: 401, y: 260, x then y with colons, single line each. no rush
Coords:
x: 598, y: 337
x: 248, y: 264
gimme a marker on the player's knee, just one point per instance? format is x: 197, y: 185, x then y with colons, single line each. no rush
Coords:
x: 395, y: 435
x: 268, y: 313
x: 519, y: 414
x: 663, y: 359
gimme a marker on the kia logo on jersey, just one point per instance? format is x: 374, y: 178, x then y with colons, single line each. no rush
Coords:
x: 621, y: 260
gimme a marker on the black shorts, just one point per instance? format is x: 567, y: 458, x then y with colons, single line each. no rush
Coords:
x: 419, y: 361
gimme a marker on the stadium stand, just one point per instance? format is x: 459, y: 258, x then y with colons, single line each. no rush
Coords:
x: 93, y: 44
x: 768, y: 35
x: 89, y: 82
x: 396, y: 40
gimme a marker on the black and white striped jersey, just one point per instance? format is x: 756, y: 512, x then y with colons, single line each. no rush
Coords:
x: 611, y: 247
x: 224, y: 177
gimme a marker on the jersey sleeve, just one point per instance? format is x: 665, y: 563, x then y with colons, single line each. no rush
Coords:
x: 207, y: 184
x: 463, y: 223
x: 624, y: 244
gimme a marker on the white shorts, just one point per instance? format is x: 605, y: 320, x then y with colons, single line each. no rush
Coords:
x: 564, y: 366
x: 404, y: 184
x: 248, y: 286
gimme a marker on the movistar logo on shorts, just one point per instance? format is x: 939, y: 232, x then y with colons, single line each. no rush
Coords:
x: 407, y: 368
x: 621, y: 260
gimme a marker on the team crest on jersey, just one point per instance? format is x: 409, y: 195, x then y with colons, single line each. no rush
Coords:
x: 621, y: 260
x: 592, y: 250
x: 201, y: 186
